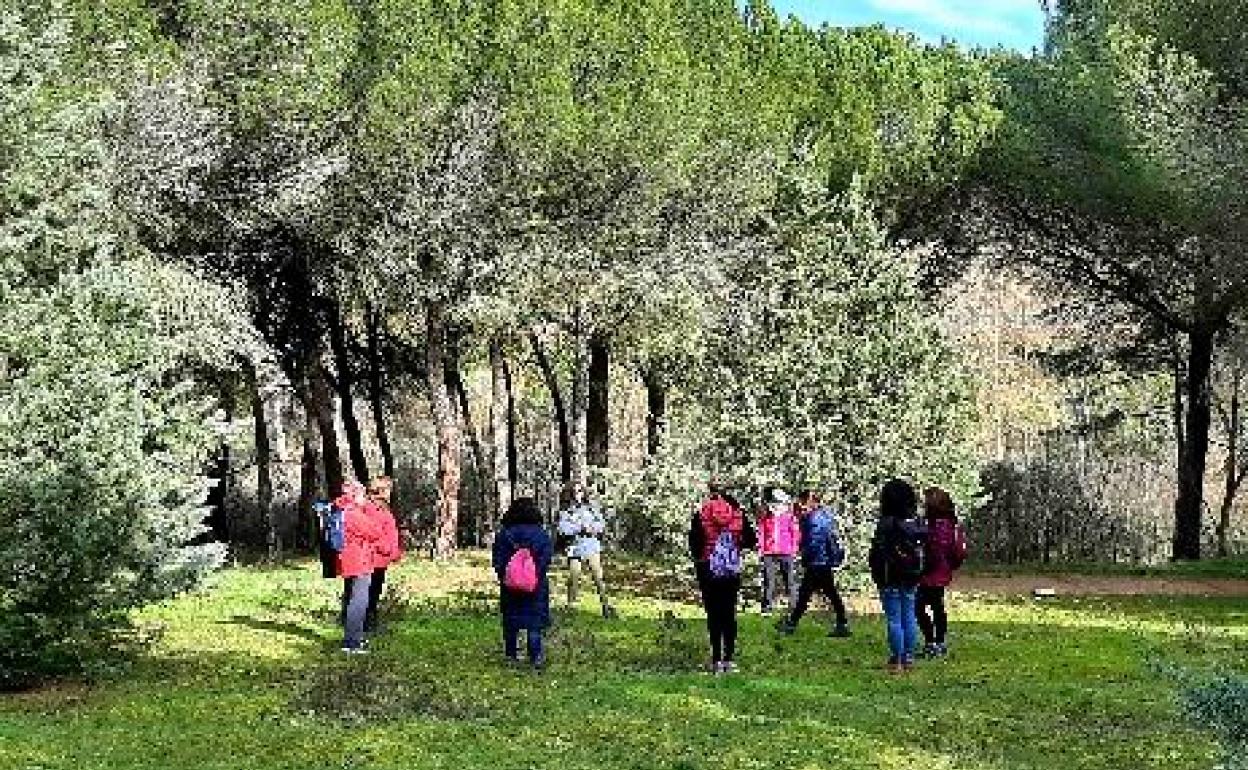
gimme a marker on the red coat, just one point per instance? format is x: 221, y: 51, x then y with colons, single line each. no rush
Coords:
x: 389, y: 549
x: 778, y: 531
x: 945, y: 551
x: 362, y: 538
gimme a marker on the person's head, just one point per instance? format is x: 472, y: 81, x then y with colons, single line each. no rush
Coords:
x: 523, y: 510
x: 714, y: 489
x: 572, y: 494
x: 381, y: 488
x: 354, y: 490
x: 898, y: 499
x: 777, y: 496
x: 808, y: 500
x: 937, y: 504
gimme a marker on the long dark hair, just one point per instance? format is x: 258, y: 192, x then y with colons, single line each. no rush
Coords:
x: 937, y: 504
x: 898, y: 500
x: 523, y: 510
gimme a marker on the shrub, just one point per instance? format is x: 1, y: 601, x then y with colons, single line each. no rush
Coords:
x: 1220, y: 705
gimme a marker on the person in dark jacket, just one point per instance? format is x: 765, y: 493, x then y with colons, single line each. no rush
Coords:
x: 821, y: 550
x: 945, y: 551
x: 896, y: 561
x: 720, y: 516
x: 522, y: 528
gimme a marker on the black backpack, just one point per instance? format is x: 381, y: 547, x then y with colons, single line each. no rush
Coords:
x: 904, y: 555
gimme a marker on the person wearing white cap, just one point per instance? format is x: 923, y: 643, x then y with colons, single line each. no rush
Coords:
x: 778, y: 539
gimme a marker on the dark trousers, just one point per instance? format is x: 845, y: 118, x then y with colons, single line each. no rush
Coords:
x: 511, y: 642
x: 354, y: 608
x: 775, y: 567
x: 719, y: 598
x: 936, y: 624
x: 374, y: 597
x: 823, y: 580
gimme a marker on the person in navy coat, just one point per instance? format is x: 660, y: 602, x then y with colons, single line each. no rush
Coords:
x: 522, y: 528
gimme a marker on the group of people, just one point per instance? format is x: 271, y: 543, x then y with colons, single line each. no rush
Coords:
x: 368, y: 544
x: 913, y: 557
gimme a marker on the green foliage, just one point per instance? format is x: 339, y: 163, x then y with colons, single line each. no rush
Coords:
x: 1220, y: 706
x: 829, y: 369
x: 102, y: 428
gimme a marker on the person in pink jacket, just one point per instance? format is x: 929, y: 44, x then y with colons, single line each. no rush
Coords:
x: 389, y: 549
x: 356, y: 561
x: 779, y: 537
x: 944, y: 552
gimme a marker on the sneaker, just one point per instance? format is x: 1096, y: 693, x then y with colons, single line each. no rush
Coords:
x: 940, y: 650
x: 361, y: 650
x: 893, y: 666
x: 609, y: 613
x: 840, y: 631
x: 728, y: 667
x: 539, y: 665
x: 714, y: 668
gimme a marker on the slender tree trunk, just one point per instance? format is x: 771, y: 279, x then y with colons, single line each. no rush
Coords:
x: 656, y: 411
x: 598, y: 419
x: 377, y: 387
x: 447, y: 426
x: 218, y: 498
x: 482, y: 475
x: 561, y: 414
x: 580, y: 401
x: 321, y: 406
x: 499, y: 437
x: 1233, y: 475
x: 1189, y: 507
x: 513, y: 452
x: 264, y: 474
x: 305, y: 537
x: 346, y: 391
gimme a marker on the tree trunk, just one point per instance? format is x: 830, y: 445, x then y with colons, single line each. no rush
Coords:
x: 513, y: 452
x: 218, y: 497
x: 447, y: 426
x: 580, y: 403
x: 483, y: 476
x: 321, y: 406
x: 656, y: 411
x: 1189, y: 505
x: 499, y: 437
x: 377, y: 388
x: 598, y: 420
x: 561, y: 414
x: 264, y: 475
x: 305, y: 537
x: 1233, y: 475
x: 346, y: 391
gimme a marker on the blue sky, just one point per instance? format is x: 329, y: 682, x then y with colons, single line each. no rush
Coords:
x: 1017, y: 24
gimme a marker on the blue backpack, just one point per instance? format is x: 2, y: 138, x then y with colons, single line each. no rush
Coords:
x: 725, y: 556
x: 332, y: 528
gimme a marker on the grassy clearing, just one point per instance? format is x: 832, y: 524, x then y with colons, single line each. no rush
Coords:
x: 1210, y: 569
x: 247, y: 675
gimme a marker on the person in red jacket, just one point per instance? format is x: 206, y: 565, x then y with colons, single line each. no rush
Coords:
x: 389, y: 550
x: 356, y: 561
x: 945, y: 551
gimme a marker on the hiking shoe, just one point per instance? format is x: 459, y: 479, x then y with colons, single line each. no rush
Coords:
x: 840, y: 631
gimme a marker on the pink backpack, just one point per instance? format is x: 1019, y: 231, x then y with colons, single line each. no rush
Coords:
x: 521, y: 572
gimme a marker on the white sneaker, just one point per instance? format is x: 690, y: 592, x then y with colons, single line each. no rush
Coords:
x: 355, y: 650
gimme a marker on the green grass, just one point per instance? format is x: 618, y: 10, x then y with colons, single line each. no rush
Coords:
x: 1208, y: 569
x: 247, y: 675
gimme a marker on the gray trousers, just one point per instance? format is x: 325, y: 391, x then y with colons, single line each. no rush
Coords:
x: 784, y: 565
x: 355, y: 592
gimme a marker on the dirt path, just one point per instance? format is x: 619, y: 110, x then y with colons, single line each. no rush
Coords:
x: 1078, y: 585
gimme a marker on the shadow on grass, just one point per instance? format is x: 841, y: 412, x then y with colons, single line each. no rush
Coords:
x: 277, y: 626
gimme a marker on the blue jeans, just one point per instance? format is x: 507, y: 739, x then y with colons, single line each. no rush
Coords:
x: 511, y: 642
x: 903, y: 626
x: 354, y: 609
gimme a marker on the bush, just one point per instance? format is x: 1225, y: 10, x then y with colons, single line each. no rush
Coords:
x: 1220, y: 705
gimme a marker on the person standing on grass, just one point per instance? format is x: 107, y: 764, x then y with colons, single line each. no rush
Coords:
x: 823, y: 553
x: 525, y: 609
x: 896, y: 566
x: 362, y: 539
x: 779, y: 536
x: 944, y: 553
x: 718, y: 536
x: 581, y: 526
x: 389, y: 550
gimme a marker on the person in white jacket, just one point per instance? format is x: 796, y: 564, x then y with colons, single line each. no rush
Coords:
x: 581, y: 525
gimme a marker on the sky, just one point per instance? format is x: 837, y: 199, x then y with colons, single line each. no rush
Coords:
x: 1017, y: 24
